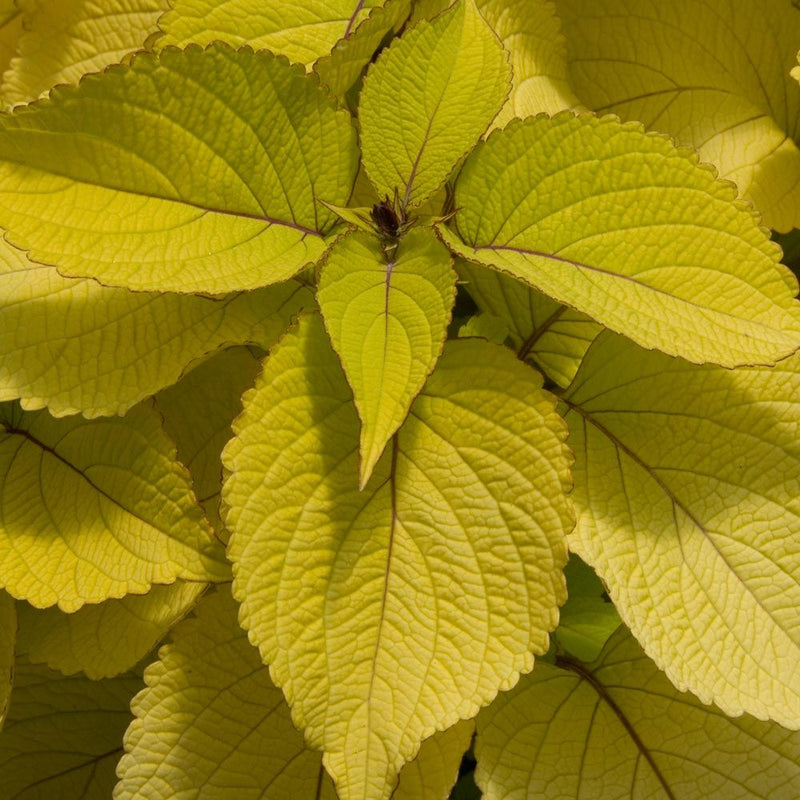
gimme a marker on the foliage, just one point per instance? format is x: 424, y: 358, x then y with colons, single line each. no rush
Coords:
x: 359, y: 354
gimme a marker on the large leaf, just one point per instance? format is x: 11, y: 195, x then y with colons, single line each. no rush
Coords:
x: 687, y: 483
x: 390, y: 613
x: 212, y: 724
x: 74, y: 345
x: 301, y: 31
x: 8, y: 635
x: 387, y: 320
x: 712, y: 73
x: 104, y: 639
x: 427, y: 100
x: 63, y: 736
x: 616, y: 729
x: 91, y: 510
x: 191, y: 171
x: 531, y: 32
x: 11, y: 20
x: 628, y: 229
x: 553, y: 336
x: 63, y: 40
x: 198, y: 412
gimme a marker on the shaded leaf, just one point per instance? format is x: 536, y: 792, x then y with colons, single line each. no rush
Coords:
x: 687, y: 482
x: 8, y: 636
x: 11, y: 20
x: 104, y: 639
x: 63, y: 40
x: 198, y: 412
x: 91, y: 510
x: 713, y: 74
x: 420, y: 597
x: 74, y: 345
x: 624, y: 227
x: 552, y: 336
x: 617, y: 729
x: 427, y: 100
x: 387, y: 321
x: 190, y: 171
x: 63, y: 736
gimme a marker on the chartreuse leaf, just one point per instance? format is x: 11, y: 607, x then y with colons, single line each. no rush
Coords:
x: 64, y: 40
x: 624, y: 227
x: 431, y: 775
x: 91, y: 510
x: 340, y: 71
x: 687, y: 481
x: 531, y: 32
x: 63, y: 736
x: 712, y: 74
x: 8, y: 636
x: 212, y: 724
x: 553, y: 336
x: 616, y: 729
x: 198, y: 412
x: 104, y: 639
x: 387, y: 322
x: 170, y: 176
x: 427, y: 100
x: 11, y: 20
x: 588, y: 618
x: 78, y: 346
x: 301, y: 31
x: 390, y: 613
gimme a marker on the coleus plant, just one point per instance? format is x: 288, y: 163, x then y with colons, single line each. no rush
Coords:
x: 264, y: 217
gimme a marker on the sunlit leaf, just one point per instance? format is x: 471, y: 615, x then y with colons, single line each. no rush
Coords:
x: 427, y: 100
x: 91, y: 510
x: 687, y: 484
x: 64, y: 40
x: 713, y: 74
x: 426, y: 593
x: 616, y: 729
x: 104, y: 639
x: 387, y: 318
x: 74, y: 345
x: 63, y: 736
x: 190, y: 171
x: 301, y: 31
x: 624, y: 227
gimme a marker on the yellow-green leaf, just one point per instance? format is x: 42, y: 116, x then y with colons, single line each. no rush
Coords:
x: 687, y: 486
x: 387, y: 319
x: 428, y: 99
x: 190, y: 171
x: 342, y: 69
x: 74, y: 345
x: 95, y: 509
x: 712, y: 73
x: 198, y: 412
x: 11, y: 20
x: 301, y: 31
x: 8, y: 636
x: 390, y: 613
x: 624, y: 227
x: 62, y: 40
x: 616, y: 729
x: 104, y: 639
x: 552, y: 336
x: 531, y: 33
x: 63, y: 736
x: 212, y: 724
